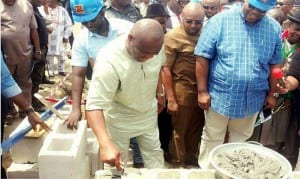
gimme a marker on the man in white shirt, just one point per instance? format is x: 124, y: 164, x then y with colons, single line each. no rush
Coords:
x: 122, y: 100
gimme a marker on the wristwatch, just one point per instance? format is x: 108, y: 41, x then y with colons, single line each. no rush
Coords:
x: 29, y: 110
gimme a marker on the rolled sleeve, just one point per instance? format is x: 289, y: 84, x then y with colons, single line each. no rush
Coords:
x: 80, y: 55
x: 170, y: 50
x: 103, y: 86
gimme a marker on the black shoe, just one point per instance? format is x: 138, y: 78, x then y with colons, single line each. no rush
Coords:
x: 167, y: 156
x: 138, y: 165
x: 46, y: 81
x: 62, y: 73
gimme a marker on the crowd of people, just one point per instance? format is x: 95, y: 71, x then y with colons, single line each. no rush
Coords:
x: 172, y: 79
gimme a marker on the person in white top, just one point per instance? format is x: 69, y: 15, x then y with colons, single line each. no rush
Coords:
x: 143, y: 6
x: 124, y: 94
x: 174, y: 9
x: 62, y: 29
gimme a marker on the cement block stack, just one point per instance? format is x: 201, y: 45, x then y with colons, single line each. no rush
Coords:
x: 25, y: 153
x: 63, y: 154
x: 93, y: 152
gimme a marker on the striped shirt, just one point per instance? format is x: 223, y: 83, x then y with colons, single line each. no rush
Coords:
x: 239, y: 55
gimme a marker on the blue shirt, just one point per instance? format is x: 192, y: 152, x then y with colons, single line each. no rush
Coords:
x: 87, y: 44
x: 9, y: 87
x: 239, y: 57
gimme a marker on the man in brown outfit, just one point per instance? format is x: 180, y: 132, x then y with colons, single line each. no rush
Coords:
x: 19, y: 42
x: 180, y: 83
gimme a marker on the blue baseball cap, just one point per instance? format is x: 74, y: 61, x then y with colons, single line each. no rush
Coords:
x: 263, y: 5
x: 85, y: 10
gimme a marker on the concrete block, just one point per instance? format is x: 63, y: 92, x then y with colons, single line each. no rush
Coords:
x: 93, y: 152
x: 27, y: 150
x: 63, y: 154
x: 65, y: 110
x: 18, y: 171
x: 85, y: 169
x: 134, y: 173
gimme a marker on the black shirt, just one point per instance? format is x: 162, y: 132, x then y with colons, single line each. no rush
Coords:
x: 294, y: 69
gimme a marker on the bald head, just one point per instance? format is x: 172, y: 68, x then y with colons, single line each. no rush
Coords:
x: 145, y: 39
x: 211, y: 7
x: 147, y: 28
x: 193, y: 9
x: 192, y: 16
x: 211, y: 1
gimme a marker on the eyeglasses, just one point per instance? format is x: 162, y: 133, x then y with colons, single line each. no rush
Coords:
x: 182, y: 2
x: 210, y: 7
x: 254, y: 8
x: 190, y: 21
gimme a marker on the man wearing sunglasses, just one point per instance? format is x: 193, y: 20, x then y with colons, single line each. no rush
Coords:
x: 236, y: 51
x: 180, y: 83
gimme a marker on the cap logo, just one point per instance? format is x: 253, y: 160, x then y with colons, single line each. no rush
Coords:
x: 79, y: 9
x: 265, y: 1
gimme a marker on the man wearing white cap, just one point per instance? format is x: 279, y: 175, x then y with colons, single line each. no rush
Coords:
x: 235, y: 53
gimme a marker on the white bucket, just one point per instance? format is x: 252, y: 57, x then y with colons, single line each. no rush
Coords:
x: 263, y: 151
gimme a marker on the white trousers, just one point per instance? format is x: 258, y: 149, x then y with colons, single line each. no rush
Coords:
x: 149, y: 145
x: 214, y: 131
x: 60, y: 63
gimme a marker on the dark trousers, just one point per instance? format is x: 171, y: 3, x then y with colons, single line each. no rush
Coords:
x: 187, y: 125
x: 165, y: 129
x: 4, y: 112
x: 38, y: 72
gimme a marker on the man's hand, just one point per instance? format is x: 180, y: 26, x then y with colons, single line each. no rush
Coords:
x: 172, y: 105
x: 282, y: 89
x: 73, y: 118
x: 204, y: 100
x: 34, y: 119
x: 270, y: 102
x: 37, y: 56
x: 111, y: 155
